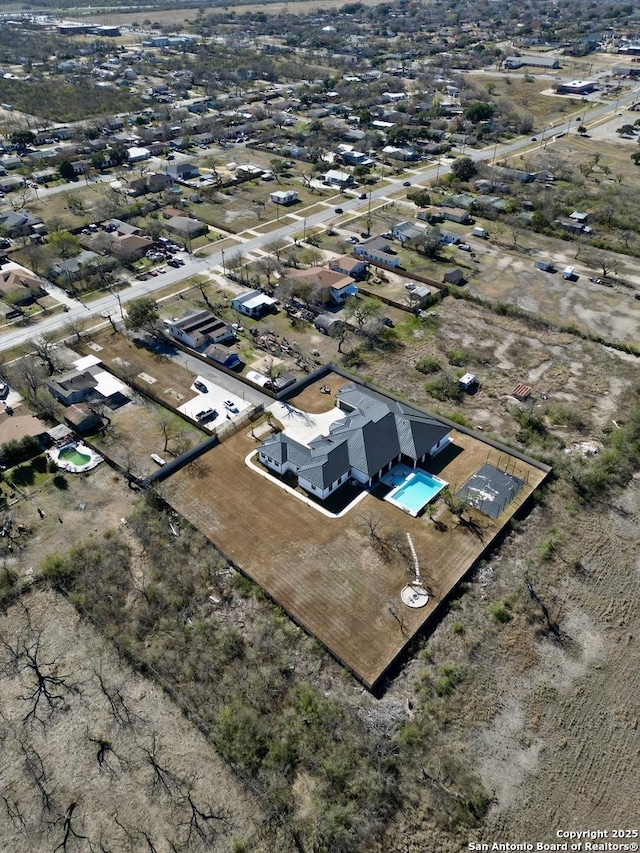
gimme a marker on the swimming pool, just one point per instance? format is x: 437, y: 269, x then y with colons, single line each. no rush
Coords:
x: 71, y: 454
x: 74, y: 457
x: 415, y: 491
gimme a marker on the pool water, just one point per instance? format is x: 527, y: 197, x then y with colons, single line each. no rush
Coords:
x: 70, y: 454
x: 416, y: 490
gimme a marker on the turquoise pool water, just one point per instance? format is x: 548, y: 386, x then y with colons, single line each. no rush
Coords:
x: 416, y: 491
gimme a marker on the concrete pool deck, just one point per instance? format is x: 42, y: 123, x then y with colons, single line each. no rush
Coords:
x: 93, y: 458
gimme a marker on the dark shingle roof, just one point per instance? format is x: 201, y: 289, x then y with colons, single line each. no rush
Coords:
x: 374, y: 431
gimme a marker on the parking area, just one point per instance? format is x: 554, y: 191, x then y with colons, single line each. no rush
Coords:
x: 212, y: 404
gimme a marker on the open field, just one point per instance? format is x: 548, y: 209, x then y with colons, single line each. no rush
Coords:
x: 324, y: 571
x: 567, y: 374
x: 141, y: 428
x: 179, y: 15
x: 171, y: 382
x: 72, y: 507
x: 248, y: 205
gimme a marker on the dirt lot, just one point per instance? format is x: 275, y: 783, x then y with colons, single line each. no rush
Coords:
x: 565, y: 372
x: 110, y: 761
x: 324, y: 571
x: 171, y: 383
x: 61, y: 509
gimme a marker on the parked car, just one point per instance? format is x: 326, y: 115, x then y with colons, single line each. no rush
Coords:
x: 200, y: 386
x: 206, y: 415
x: 406, y: 183
x: 4, y: 390
x: 231, y: 406
x: 362, y: 196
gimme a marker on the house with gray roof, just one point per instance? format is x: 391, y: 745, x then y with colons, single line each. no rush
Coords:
x: 375, y: 434
x: 74, y: 267
x: 377, y: 250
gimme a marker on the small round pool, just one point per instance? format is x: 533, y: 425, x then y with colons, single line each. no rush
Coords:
x: 70, y: 454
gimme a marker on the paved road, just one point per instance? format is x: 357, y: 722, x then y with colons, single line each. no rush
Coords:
x: 111, y: 305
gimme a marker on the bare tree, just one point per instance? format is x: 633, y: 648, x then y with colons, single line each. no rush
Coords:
x: 44, y: 347
x: 163, y: 779
x: 120, y: 712
x: 69, y: 830
x: 203, y: 821
x: 76, y: 327
x: 386, y: 543
x: 36, y: 773
x: 49, y: 690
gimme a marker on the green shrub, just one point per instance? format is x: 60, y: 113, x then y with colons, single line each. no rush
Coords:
x: 444, y: 388
x: 458, y: 628
x: 449, y: 678
x: 458, y: 418
x: 457, y: 357
x: 500, y: 612
x: 428, y: 365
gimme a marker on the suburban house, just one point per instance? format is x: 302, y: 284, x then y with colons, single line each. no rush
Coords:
x: 221, y: 355
x: 130, y: 247
x: 153, y: 183
x: 88, y: 381
x: 182, y: 171
x: 186, y: 227
x: 377, y: 250
x: 18, y: 286
x: 375, y: 433
x: 82, y: 419
x: 74, y: 267
x: 326, y: 285
x: 336, y: 178
x: 404, y: 154
x: 19, y: 223
x: 44, y: 175
x: 407, y: 231
x: 253, y: 303
x: 430, y: 214
x: 284, y: 197
x: 456, y: 214
x: 11, y: 182
x: 117, y: 226
x: 354, y: 267
x: 199, y: 328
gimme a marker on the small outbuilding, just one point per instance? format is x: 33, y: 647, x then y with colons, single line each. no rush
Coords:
x: 82, y: 419
x: 454, y: 276
x: 468, y: 381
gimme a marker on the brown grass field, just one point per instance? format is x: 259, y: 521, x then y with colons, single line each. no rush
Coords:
x: 324, y: 571
x: 178, y: 16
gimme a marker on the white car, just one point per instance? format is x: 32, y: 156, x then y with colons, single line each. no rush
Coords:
x: 231, y: 406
